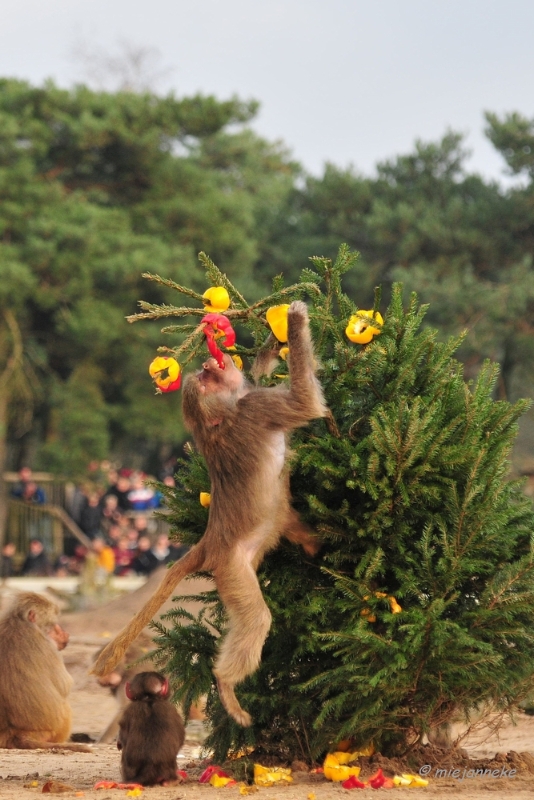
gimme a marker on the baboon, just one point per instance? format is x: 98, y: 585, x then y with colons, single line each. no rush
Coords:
x: 34, y: 685
x: 151, y: 732
x: 241, y: 431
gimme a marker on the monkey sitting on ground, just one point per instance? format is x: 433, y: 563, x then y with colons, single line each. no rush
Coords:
x: 34, y: 683
x: 151, y: 732
x: 241, y: 432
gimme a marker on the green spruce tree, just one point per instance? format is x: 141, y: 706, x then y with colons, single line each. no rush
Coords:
x: 420, y: 603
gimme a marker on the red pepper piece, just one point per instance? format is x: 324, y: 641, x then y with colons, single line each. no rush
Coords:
x: 353, y: 783
x: 217, y: 324
x: 212, y: 770
x: 377, y: 780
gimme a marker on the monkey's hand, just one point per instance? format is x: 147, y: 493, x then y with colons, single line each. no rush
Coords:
x: 306, y: 393
x: 297, y: 315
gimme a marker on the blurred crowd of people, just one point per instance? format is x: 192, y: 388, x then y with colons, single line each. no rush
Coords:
x: 117, y: 521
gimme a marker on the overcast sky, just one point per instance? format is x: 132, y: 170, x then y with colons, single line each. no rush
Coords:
x: 344, y: 81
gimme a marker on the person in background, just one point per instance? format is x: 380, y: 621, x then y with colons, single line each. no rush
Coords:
x: 77, y: 561
x: 61, y: 566
x: 123, y: 557
x: 132, y: 537
x: 141, y: 525
x: 7, y: 567
x: 36, y: 562
x: 141, y: 497
x: 120, y: 489
x: 114, y: 533
x: 91, y: 516
x: 144, y: 562
x: 105, y: 558
x: 111, y: 513
x: 27, y: 489
x: 164, y: 552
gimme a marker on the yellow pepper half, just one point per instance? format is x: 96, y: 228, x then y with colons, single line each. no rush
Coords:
x: 221, y: 780
x: 360, y: 330
x: 205, y: 499
x: 394, y: 606
x: 334, y: 771
x: 276, y: 316
x: 266, y: 776
x: 165, y: 373
x: 216, y: 298
x: 407, y: 779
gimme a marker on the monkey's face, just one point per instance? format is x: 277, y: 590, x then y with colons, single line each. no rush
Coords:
x: 214, y: 380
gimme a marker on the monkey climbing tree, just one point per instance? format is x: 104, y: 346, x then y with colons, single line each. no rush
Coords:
x: 421, y: 600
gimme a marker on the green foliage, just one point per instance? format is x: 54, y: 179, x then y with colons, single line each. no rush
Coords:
x: 407, y: 484
x: 97, y: 188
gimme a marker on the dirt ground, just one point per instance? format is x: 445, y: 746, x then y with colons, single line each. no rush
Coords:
x: 23, y: 773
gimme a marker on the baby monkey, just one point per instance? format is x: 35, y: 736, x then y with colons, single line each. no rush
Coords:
x: 151, y: 732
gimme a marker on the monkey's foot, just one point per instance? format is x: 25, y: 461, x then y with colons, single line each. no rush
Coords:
x: 231, y: 704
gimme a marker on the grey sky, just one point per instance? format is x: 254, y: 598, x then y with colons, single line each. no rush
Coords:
x: 339, y: 80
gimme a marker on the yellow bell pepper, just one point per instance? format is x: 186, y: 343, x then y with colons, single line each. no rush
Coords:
x: 399, y: 780
x: 394, y: 606
x: 221, y: 780
x: 216, y: 298
x: 267, y: 776
x: 408, y: 779
x: 276, y: 316
x: 165, y: 373
x: 360, y: 330
x: 334, y: 771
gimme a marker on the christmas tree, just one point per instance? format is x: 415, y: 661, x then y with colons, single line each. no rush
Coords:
x: 420, y: 603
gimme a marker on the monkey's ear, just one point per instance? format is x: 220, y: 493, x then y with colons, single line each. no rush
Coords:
x: 165, y: 688
x: 128, y: 691
x: 32, y: 616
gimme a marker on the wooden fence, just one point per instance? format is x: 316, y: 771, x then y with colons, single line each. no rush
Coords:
x: 51, y: 521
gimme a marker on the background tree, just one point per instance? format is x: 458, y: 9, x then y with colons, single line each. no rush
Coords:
x: 465, y: 245
x: 420, y: 602
x: 97, y: 188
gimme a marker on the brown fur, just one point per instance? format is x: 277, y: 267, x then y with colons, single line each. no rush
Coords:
x: 34, y: 684
x: 241, y: 431
x: 151, y: 733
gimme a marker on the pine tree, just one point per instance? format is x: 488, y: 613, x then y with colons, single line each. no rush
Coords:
x: 421, y: 601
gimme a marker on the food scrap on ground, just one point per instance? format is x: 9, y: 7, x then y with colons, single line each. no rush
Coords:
x: 268, y: 776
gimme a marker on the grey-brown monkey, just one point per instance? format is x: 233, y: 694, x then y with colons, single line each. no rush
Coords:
x: 34, y: 683
x: 151, y: 732
x: 241, y: 431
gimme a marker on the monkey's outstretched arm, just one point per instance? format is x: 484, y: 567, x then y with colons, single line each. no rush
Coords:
x: 286, y: 409
x: 115, y: 650
x: 305, y: 390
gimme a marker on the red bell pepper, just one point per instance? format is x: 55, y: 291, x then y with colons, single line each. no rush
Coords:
x: 215, y: 327
x: 353, y: 783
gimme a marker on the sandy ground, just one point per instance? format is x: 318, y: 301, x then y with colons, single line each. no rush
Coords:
x: 24, y: 773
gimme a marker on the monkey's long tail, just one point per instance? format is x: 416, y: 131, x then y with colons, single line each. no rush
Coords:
x: 110, y: 656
